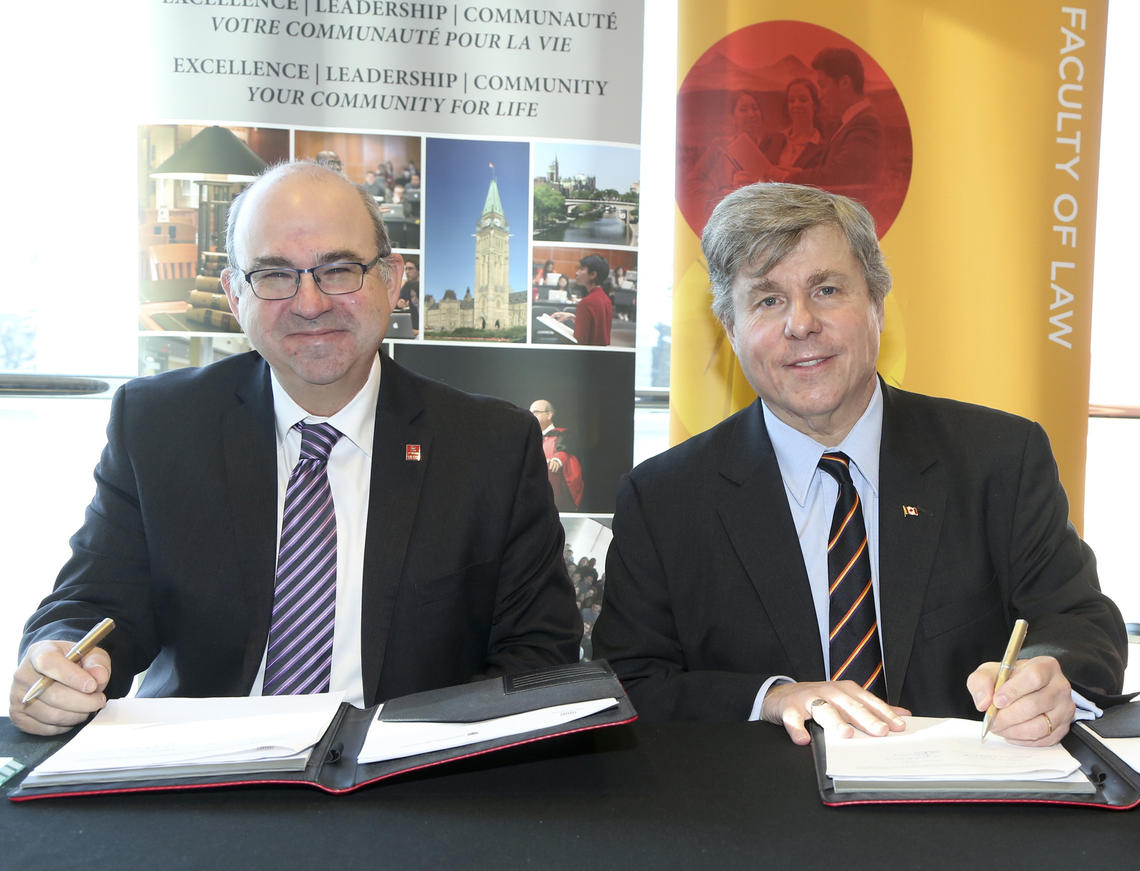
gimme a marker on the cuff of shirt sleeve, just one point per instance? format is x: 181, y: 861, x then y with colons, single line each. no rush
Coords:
x: 767, y: 685
x: 1086, y: 710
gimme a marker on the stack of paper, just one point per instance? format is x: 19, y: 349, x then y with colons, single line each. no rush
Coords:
x: 948, y: 754
x: 136, y: 738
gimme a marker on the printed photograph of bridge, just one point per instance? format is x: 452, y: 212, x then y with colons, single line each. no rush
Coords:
x: 586, y: 193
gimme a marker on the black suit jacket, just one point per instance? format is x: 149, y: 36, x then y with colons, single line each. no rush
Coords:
x: 463, y: 567
x: 707, y: 595
x: 852, y: 157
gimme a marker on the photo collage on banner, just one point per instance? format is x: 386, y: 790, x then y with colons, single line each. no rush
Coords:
x: 504, y: 155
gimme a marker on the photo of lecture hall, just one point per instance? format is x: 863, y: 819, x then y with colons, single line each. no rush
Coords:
x: 584, y: 296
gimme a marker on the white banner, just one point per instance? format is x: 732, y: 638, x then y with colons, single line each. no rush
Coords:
x: 488, y: 69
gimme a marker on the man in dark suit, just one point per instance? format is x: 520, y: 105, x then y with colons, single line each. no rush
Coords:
x: 718, y: 579
x: 852, y: 156
x: 448, y: 550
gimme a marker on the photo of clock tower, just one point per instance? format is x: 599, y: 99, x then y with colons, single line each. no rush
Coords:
x: 492, y: 263
x: 486, y: 299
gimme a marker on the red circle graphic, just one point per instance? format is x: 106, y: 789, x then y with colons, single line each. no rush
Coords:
x: 783, y: 100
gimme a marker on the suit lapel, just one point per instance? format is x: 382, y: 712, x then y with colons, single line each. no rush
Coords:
x: 912, y: 496
x: 250, y: 456
x: 397, y: 478
x: 764, y: 538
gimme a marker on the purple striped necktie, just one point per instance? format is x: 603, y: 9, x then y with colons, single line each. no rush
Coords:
x: 854, y: 650
x: 299, y: 657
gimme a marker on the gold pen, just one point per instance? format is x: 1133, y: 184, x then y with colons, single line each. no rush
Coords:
x: 77, y: 652
x: 1016, y: 639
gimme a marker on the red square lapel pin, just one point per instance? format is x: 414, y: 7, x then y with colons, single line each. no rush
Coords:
x: 412, y: 453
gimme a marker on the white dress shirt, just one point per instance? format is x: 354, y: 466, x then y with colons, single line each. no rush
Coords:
x: 350, y: 474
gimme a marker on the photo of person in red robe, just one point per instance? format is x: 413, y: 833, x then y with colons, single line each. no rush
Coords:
x: 562, y: 467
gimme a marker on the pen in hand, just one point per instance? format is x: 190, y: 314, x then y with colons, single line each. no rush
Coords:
x: 1016, y: 639
x: 77, y: 652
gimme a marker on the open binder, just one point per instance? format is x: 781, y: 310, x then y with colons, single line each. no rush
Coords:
x: 333, y: 767
x: 1116, y: 785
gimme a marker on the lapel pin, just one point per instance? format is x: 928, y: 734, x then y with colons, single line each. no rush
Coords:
x: 910, y: 511
x: 412, y: 453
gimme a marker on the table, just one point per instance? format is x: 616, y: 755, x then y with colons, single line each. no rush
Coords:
x: 675, y: 795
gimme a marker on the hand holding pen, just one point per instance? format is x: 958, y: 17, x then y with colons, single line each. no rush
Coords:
x: 58, y: 684
x: 1026, y: 701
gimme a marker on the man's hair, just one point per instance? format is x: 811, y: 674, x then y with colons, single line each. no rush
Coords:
x: 598, y: 265
x: 315, y: 171
x: 838, y: 62
x: 763, y: 223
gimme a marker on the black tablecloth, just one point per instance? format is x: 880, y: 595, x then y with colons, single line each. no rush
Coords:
x: 679, y: 795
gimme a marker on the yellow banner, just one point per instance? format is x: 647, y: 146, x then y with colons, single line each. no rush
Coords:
x: 983, y: 190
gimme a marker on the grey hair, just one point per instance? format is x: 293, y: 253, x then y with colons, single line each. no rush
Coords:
x: 315, y: 171
x: 763, y: 223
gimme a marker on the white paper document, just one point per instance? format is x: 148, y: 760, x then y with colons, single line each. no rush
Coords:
x: 948, y: 753
x: 133, y: 738
x: 564, y: 331
x: 395, y: 740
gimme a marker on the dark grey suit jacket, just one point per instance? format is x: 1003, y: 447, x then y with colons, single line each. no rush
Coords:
x: 463, y: 567
x: 707, y: 595
x: 851, y: 158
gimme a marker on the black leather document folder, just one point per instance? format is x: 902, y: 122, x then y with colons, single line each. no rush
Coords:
x: 1112, y: 783
x: 333, y: 764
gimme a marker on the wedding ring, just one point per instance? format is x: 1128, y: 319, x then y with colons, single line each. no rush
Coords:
x: 816, y: 702
x: 1049, y: 722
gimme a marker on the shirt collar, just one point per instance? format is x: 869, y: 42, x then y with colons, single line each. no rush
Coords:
x: 798, y: 454
x: 853, y: 110
x: 356, y: 421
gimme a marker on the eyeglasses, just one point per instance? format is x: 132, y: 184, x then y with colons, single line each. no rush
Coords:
x: 283, y: 282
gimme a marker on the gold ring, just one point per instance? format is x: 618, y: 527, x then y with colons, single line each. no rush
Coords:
x: 1048, y: 722
x: 816, y: 703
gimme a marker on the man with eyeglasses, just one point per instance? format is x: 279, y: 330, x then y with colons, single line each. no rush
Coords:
x: 448, y: 547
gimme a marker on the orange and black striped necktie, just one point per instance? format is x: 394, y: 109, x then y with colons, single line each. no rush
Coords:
x: 855, y: 652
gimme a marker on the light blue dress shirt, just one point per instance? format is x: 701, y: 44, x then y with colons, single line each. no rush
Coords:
x: 812, y: 493
x: 811, y: 496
